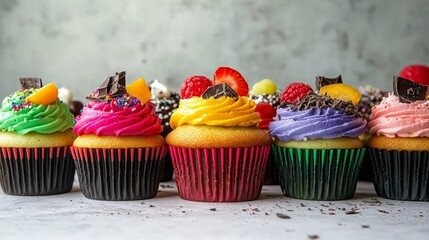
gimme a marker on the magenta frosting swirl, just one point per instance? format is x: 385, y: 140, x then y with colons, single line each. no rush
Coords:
x: 123, y: 116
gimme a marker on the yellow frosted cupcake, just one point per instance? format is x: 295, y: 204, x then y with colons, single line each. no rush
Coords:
x: 36, y: 132
x: 218, y: 153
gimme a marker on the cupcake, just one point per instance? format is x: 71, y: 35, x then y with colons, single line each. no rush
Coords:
x: 399, y: 142
x: 119, y: 152
x: 267, y: 98
x: 36, y: 132
x: 165, y: 102
x: 371, y: 96
x: 218, y: 153
x: 317, y: 146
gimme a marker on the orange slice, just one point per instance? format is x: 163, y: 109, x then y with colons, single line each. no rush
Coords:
x: 139, y: 90
x: 341, y: 91
x: 45, y: 95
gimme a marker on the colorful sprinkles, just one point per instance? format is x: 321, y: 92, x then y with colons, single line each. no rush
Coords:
x: 21, y: 102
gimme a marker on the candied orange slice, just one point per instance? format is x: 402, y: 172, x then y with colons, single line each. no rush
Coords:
x: 45, y: 95
x: 139, y: 90
x: 341, y: 91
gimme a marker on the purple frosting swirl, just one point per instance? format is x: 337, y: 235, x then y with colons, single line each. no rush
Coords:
x: 315, y: 123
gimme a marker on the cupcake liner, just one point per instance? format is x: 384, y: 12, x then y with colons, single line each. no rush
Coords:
x: 318, y: 174
x: 167, y: 174
x: 119, y: 174
x: 365, y: 173
x: 219, y: 174
x: 401, y: 175
x: 272, y: 172
x: 36, y: 171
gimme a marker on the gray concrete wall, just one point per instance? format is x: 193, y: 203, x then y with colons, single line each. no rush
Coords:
x: 79, y: 43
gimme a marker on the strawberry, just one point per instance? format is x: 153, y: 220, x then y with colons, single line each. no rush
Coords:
x: 266, y: 112
x: 417, y: 73
x: 233, y: 79
x: 295, y: 91
x: 194, y: 86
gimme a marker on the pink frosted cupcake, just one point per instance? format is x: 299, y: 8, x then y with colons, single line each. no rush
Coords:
x: 119, y: 152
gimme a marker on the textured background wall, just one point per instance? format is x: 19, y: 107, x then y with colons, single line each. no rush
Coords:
x: 79, y: 43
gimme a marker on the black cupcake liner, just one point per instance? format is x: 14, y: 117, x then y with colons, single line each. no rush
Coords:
x: 36, y: 171
x: 365, y: 173
x: 318, y: 174
x: 167, y: 174
x: 119, y: 174
x: 401, y: 175
x: 272, y: 172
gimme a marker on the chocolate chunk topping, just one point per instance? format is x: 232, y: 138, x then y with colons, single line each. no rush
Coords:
x: 27, y: 83
x: 408, y: 91
x: 113, y: 86
x: 322, y: 81
x: 218, y: 91
x: 313, y: 100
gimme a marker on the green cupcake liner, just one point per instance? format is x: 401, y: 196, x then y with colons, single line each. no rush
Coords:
x: 318, y: 174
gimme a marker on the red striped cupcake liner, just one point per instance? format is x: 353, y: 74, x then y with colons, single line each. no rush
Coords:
x: 36, y: 171
x: 119, y: 174
x: 219, y: 174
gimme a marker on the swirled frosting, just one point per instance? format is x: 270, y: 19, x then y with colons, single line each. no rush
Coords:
x: 120, y: 116
x: 393, y: 118
x: 317, y: 116
x: 223, y: 111
x: 20, y: 116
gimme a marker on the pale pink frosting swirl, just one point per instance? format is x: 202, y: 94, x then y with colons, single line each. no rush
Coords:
x: 129, y: 118
x: 393, y: 118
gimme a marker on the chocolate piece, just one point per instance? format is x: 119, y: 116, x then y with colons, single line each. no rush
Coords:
x: 313, y: 100
x: 322, y: 81
x: 27, y: 83
x: 113, y: 86
x: 408, y: 91
x: 218, y: 91
x: 75, y: 107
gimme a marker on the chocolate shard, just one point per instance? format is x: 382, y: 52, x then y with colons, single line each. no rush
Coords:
x: 27, y: 83
x: 322, y: 81
x: 218, y: 91
x: 408, y: 91
x: 113, y: 86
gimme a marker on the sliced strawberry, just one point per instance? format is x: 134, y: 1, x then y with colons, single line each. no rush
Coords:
x: 233, y: 79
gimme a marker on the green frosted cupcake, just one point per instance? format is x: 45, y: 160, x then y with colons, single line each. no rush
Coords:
x: 317, y: 146
x: 35, y: 136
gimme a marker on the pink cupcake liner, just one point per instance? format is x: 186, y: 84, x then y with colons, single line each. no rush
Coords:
x: 219, y: 174
x: 119, y: 174
x: 36, y: 171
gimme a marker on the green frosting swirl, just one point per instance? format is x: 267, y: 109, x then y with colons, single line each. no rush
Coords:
x: 19, y: 116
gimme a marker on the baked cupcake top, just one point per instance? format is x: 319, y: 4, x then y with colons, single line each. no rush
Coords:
x: 35, y: 109
x: 223, y: 102
x: 316, y: 116
x: 116, y: 110
x: 398, y: 115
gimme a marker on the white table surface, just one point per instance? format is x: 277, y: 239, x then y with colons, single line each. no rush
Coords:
x: 72, y: 216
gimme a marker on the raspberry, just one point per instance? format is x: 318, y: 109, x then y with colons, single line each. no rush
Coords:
x: 194, y: 86
x: 266, y: 112
x: 295, y: 91
x: 417, y: 73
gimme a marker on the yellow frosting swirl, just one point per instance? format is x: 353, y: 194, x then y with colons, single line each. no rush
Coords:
x: 224, y: 111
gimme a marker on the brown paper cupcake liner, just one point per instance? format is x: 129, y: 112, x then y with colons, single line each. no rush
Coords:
x: 119, y: 174
x: 401, y: 175
x: 318, y: 174
x: 219, y: 174
x: 36, y: 171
